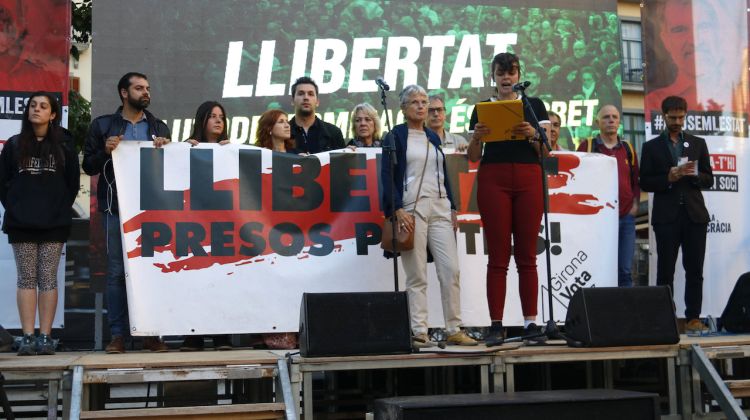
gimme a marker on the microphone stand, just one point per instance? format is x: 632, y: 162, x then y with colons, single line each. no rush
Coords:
x: 551, y: 331
x: 389, y: 146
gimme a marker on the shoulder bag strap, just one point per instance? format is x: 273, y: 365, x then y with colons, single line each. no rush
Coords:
x: 424, y: 168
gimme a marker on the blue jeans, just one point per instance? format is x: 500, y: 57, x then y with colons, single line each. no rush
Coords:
x: 625, y: 250
x: 117, y: 297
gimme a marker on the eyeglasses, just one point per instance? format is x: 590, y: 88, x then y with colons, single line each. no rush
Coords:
x: 439, y: 110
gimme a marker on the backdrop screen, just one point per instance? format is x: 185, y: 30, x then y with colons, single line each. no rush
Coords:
x: 246, y: 54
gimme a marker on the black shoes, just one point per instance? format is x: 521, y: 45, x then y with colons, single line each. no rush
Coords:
x: 495, y: 334
x: 45, y: 345
x: 537, y: 334
x: 30, y: 345
x: 27, y: 346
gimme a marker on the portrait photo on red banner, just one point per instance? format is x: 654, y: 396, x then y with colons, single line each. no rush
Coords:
x: 697, y: 49
x: 34, y: 45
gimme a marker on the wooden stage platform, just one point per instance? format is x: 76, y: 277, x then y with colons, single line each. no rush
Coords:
x: 73, y: 374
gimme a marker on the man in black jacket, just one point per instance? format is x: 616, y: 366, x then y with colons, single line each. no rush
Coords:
x: 131, y: 121
x: 675, y: 166
x: 311, y: 135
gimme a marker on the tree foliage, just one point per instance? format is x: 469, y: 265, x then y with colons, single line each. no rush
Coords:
x: 79, y: 117
x: 81, y: 22
x: 79, y: 109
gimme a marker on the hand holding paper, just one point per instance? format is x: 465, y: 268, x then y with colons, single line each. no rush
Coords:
x: 502, y: 118
x: 687, y: 168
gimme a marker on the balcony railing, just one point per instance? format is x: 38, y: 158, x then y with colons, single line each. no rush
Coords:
x: 632, y: 70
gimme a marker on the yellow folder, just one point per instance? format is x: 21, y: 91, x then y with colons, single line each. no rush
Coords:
x: 500, y: 117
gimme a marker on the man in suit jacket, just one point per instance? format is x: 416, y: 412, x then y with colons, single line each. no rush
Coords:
x: 675, y: 166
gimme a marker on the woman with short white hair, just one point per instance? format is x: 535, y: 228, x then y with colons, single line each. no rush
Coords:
x: 423, y: 204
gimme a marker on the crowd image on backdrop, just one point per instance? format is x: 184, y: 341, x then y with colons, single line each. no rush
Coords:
x: 552, y: 42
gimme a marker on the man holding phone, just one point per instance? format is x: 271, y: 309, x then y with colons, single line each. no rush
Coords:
x: 675, y: 166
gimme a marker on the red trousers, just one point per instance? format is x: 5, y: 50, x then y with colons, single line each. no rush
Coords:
x: 510, y: 202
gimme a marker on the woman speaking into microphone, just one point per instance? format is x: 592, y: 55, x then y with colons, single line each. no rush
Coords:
x: 509, y: 196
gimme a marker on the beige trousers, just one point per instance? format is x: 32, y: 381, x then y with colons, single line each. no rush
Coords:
x: 433, y: 229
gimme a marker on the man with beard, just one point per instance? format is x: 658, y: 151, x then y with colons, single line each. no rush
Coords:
x: 311, y: 135
x: 675, y: 166
x: 131, y: 121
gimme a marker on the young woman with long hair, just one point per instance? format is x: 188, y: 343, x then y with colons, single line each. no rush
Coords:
x: 39, y: 181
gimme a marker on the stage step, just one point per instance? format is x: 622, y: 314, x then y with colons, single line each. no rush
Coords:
x: 225, y: 412
x: 170, y: 367
x: 740, y: 388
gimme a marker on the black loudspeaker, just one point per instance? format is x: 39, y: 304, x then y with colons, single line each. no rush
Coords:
x: 736, y: 315
x: 348, y: 324
x: 6, y: 340
x: 622, y: 316
x: 584, y: 404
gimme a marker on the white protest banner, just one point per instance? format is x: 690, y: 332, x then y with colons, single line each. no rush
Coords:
x: 225, y: 239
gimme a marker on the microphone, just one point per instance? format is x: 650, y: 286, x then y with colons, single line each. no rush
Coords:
x: 382, y: 84
x: 521, y: 86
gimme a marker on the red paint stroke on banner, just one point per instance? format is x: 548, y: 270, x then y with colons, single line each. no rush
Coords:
x: 581, y: 204
x: 565, y: 166
x: 564, y: 203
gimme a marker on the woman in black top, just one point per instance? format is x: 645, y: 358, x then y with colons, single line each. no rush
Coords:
x: 509, y: 197
x: 39, y: 181
x: 210, y: 127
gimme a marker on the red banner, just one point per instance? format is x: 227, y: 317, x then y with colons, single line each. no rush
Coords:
x: 34, y: 51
